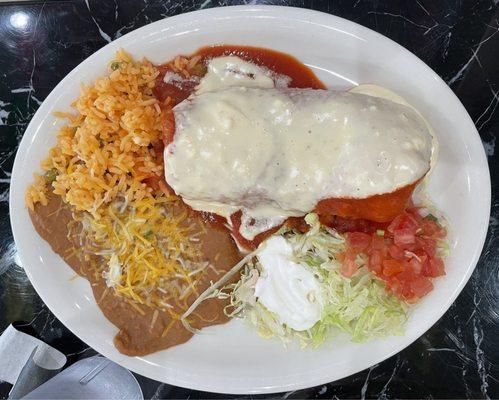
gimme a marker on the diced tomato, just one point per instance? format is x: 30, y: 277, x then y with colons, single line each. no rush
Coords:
x: 421, y: 286
x: 358, y: 240
x: 404, y: 236
x: 405, y: 278
x: 431, y: 228
x: 428, y: 227
x: 416, y: 265
x: 396, y: 252
x: 395, y: 286
x: 404, y: 257
x: 377, y: 242
x: 433, y: 267
x: 376, y: 261
x: 407, y: 222
x: 440, y: 234
x: 398, y: 285
x: 348, y: 267
x: 393, y: 267
x: 429, y: 247
x: 438, y: 267
x: 351, y: 253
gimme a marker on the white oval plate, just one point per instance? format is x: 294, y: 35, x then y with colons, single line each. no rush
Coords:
x: 232, y: 358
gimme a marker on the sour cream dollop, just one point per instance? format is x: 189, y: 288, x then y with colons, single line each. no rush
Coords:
x: 287, y: 288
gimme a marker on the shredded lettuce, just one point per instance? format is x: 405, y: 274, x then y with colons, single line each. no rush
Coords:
x: 360, y: 306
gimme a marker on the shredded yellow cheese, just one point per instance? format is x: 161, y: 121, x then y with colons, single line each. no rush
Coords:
x: 146, y: 247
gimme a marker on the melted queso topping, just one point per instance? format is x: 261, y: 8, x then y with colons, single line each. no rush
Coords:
x: 245, y: 142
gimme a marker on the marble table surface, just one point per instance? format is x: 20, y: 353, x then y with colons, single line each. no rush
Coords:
x: 459, y: 356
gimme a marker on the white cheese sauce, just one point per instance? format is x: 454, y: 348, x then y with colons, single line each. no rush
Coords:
x: 242, y: 143
x: 229, y: 71
x: 286, y: 288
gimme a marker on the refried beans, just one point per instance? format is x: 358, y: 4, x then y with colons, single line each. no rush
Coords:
x: 137, y: 334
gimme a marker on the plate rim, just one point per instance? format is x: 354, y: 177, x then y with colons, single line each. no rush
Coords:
x: 293, y: 13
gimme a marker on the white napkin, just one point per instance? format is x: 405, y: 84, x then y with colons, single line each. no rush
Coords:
x: 17, y: 348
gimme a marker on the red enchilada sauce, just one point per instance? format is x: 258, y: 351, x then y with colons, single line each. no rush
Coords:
x: 374, y: 211
x: 281, y: 63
